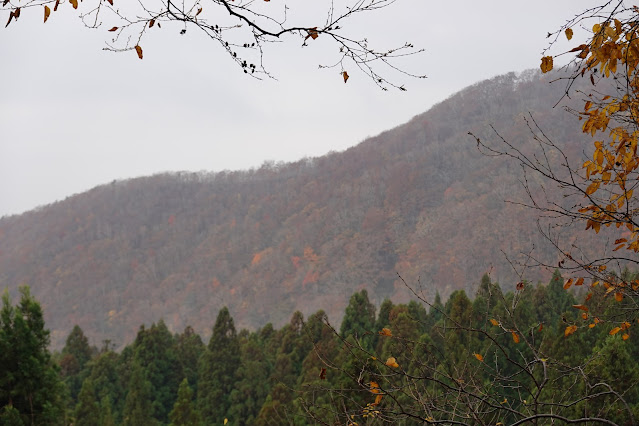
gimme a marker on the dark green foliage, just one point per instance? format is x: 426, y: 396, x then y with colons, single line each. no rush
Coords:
x: 75, y: 355
x: 184, y: 412
x: 217, y: 371
x: 359, y: 318
x: 29, y: 381
x: 138, y: 409
x: 87, y: 409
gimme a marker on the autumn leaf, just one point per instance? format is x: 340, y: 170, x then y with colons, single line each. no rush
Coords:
x: 392, y: 362
x: 312, y: 33
x: 138, y: 49
x: 618, y: 296
x: 625, y: 336
x: 47, y: 12
x: 479, y: 357
x: 570, y: 330
x: 375, y: 388
x: 515, y: 337
x: 198, y: 11
x: 568, y: 33
x: 55, y: 7
x: 582, y: 307
x: 378, y: 399
x: 568, y: 284
x: 494, y: 322
x: 546, y: 64
x: 520, y: 286
x: 322, y: 374
x: 151, y: 23
x: 580, y: 281
x: 345, y: 75
x: 113, y: 29
x: 385, y: 332
x: 615, y: 331
x: 74, y: 3
x: 110, y: 2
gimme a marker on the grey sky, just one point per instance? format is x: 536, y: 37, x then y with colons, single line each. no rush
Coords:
x: 73, y: 116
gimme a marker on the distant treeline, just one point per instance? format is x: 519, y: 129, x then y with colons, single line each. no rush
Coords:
x: 376, y: 367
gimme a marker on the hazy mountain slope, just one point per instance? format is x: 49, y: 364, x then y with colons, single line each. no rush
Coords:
x: 419, y: 200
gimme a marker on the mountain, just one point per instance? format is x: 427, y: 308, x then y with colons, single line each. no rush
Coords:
x: 419, y: 200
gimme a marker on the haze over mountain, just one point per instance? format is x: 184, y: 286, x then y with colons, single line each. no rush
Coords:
x: 418, y: 200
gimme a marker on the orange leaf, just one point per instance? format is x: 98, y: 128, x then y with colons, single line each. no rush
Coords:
x: 591, y: 325
x: 588, y: 297
x: 375, y: 388
x: 515, y: 337
x: 584, y: 315
x: 138, y: 49
x: 74, y: 3
x: 392, y: 362
x: 625, y: 336
x: 541, y: 326
x: 47, y: 12
x: 345, y: 75
x: 494, y: 322
x: 378, y: 399
x: 580, y: 281
x: 385, y: 332
x: 479, y: 357
x: 615, y: 331
x: 569, y: 330
x: 568, y: 284
x: 618, y: 296
x: 582, y: 307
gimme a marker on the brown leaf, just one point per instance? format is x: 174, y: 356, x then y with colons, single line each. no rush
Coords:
x: 312, y: 33
x: 198, y: 11
x: 151, y: 23
x: 113, y: 29
x: 74, y: 3
x: 322, y: 374
x: 110, y: 2
x: 568, y: 284
x: 546, y: 64
x: 138, y: 49
x: 345, y: 75
x: 4, y: 3
x: 582, y: 307
x: 47, y: 12
x: 578, y: 48
x: 618, y: 296
x: 520, y: 286
x: 57, y: 3
x: 568, y: 33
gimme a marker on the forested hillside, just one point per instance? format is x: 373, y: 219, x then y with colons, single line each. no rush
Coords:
x: 418, y: 200
x: 490, y: 357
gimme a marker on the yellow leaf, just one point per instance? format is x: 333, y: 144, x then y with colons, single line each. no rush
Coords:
x: 569, y: 330
x: 385, y: 332
x: 568, y: 33
x: 592, y: 188
x: 138, y: 49
x: 345, y: 75
x: 615, y: 331
x: 226, y: 421
x: 479, y: 357
x: 494, y: 322
x: 392, y: 362
x: 74, y: 3
x: 582, y: 307
x: 47, y: 12
x: 546, y: 64
x: 515, y: 337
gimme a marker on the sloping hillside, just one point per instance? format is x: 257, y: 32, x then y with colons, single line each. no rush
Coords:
x: 418, y: 200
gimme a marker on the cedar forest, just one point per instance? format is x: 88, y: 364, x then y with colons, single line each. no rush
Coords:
x: 540, y: 353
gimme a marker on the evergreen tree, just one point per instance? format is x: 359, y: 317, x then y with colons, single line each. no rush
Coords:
x: 138, y: 410
x: 29, y: 380
x: 218, y: 370
x: 87, y: 408
x: 106, y: 414
x: 75, y: 355
x: 359, y: 319
x: 10, y: 416
x: 184, y: 413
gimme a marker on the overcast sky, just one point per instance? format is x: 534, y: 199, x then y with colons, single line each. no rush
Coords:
x: 73, y: 116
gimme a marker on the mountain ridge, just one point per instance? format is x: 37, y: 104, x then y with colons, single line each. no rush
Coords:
x: 418, y: 200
